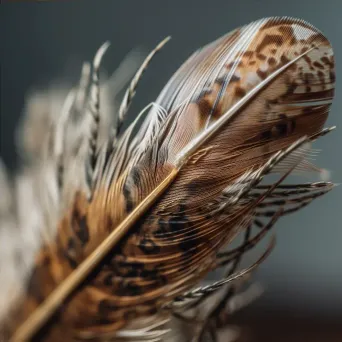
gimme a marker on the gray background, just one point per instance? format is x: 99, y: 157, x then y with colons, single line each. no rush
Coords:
x: 44, y: 41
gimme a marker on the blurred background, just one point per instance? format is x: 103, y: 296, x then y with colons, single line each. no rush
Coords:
x: 42, y: 42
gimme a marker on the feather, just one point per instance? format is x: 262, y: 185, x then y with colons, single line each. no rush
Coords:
x: 161, y: 205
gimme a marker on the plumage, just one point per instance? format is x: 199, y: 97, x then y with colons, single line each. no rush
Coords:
x: 130, y: 224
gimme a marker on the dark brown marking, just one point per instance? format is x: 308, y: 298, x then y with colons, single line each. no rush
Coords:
x: 128, y: 288
x: 322, y: 79
x: 149, y: 274
x: 148, y: 246
x: 129, y: 315
x: 291, y: 88
x: 272, y: 61
x: 105, y: 308
x: 207, y: 107
x: 332, y: 76
x: 221, y: 80
x: 281, y: 129
x: 204, y: 107
x: 327, y: 94
x: 234, y: 78
x: 286, y: 29
x: 308, y: 61
x: 240, y: 92
x: 273, y: 23
x: 83, y: 232
x: 108, y: 280
x: 194, y: 185
x: 189, y: 241
x: 262, y: 74
x: 321, y: 76
x: 70, y: 253
x: 135, y: 175
x: 33, y: 287
x: 261, y: 56
x: 288, y: 33
x: 318, y: 65
x: 176, y: 224
x: 307, y: 78
x: 163, y: 227
x: 293, y: 41
x: 268, y: 40
x: 128, y: 198
x: 284, y: 60
x: 79, y: 225
x: 248, y: 54
x: 266, y: 135
x: 127, y: 271
x: 236, y: 64
x: 315, y: 37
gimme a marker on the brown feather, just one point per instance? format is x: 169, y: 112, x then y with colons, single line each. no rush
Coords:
x: 174, y: 242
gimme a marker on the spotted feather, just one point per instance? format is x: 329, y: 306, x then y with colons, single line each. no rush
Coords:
x: 165, y: 201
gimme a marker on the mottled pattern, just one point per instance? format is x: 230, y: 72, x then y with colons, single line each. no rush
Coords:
x: 175, y: 243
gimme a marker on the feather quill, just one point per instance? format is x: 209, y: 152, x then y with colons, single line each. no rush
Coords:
x: 130, y: 242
